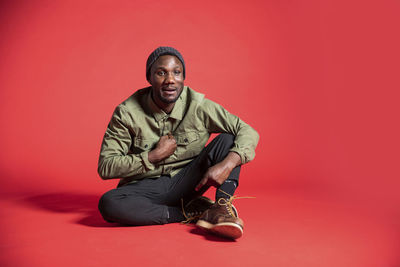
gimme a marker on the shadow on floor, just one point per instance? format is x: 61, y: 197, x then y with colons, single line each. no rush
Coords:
x: 84, y: 205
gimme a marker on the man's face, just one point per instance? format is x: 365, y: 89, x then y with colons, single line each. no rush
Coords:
x: 166, y: 79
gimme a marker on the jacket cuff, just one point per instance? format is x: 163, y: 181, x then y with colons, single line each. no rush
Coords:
x: 145, y: 158
x: 240, y: 153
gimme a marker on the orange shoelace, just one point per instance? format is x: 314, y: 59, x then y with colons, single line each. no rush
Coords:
x: 228, y: 202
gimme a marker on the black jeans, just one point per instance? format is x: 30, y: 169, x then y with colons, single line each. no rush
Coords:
x: 155, y: 200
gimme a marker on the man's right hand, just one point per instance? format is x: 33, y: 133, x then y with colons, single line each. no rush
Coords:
x: 165, y: 148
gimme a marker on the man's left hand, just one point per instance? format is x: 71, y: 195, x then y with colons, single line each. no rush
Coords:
x: 217, y: 174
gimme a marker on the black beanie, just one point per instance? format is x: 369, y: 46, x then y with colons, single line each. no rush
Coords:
x: 161, y: 51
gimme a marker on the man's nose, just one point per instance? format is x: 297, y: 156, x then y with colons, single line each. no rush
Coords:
x: 169, y: 78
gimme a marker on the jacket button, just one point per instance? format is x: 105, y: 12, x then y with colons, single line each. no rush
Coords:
x: 145, y: 146
x: 186, y: 140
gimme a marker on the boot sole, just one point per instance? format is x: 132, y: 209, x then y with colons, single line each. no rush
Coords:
x: 229, y: 230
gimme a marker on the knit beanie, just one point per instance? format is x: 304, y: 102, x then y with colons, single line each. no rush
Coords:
x: 161, y: 51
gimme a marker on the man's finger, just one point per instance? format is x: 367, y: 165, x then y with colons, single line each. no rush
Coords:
x: 201, y: 184
x: 170, y: 135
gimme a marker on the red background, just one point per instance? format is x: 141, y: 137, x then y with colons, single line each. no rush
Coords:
x: 318, y: 80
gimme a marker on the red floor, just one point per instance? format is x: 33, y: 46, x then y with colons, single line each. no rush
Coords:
x: 63, y: 228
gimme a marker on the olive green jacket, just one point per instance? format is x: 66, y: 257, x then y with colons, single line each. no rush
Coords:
x: 137, y: 125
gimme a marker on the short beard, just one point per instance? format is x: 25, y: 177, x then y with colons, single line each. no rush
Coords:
x: 165, y: 100
x: 168, y: 101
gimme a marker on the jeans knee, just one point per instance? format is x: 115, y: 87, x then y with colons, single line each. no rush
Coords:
x: 106, y: 206
x: 220, y: 147
x: 226, y: 138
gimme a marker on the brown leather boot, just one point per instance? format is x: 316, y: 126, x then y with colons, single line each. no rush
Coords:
x: 222, y: 219
x: 195, y: 208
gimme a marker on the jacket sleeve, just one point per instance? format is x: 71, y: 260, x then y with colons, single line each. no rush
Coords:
x: 115, y: 161
x: 219, y: 120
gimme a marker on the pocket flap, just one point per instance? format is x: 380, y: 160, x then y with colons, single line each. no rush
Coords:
x: 142, y: 143
x: 187, y: 138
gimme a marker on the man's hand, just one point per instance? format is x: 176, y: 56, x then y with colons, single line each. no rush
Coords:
x: 165, y: 148
x: 217, y: 174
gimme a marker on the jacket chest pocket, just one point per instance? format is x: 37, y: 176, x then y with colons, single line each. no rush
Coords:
x: 139, y: 145
x: 186, y: 138
x: 188, y: 145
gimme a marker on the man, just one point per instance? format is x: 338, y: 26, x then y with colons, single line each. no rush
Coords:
x: 155, y: 142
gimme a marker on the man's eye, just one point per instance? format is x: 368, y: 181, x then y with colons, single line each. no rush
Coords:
x: 161, y: 73
x: 177, y: 72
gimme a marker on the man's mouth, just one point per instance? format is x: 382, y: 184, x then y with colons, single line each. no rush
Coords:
x: 168, y: 89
